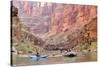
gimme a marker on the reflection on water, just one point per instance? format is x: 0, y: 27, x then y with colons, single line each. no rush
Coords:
x: 55, y: 60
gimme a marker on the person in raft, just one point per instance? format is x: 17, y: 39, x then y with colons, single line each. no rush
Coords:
x: 37, y: 53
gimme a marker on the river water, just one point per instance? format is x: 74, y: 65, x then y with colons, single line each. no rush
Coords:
x: 86, y: 57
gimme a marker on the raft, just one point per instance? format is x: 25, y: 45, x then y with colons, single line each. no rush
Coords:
x: 39, y: 57
x: 70, y: 54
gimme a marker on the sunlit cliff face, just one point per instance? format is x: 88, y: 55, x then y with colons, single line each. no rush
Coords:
x: 52, y: 17
x: 72, y: 16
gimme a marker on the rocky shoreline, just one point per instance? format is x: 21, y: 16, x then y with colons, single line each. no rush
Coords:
x: 58, y: 55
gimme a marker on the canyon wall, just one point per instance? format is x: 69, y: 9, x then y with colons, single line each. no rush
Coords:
x: 64, y: 25
x: 56, y: 17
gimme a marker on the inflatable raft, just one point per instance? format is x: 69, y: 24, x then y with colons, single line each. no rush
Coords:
x: 39, y: 57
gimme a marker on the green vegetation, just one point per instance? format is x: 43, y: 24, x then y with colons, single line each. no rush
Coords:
x: 24, y: 47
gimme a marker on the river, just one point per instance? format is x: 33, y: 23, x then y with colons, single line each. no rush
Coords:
x: 24, y: 61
